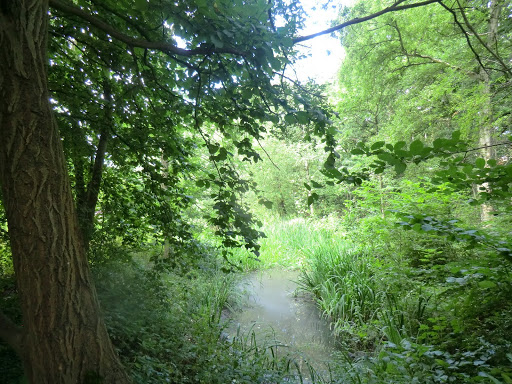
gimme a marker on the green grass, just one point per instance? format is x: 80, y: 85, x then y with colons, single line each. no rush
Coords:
x: 288, y: 243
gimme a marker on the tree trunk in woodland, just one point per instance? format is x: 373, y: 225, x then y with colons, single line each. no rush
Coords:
x: 308, y: 178
x: 63, y: 338
x: 88, y: 198
x: 381, y: 192
x: 486, y: 124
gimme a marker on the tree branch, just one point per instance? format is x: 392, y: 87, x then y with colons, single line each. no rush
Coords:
x: 11, y: 334
x: 135, y: 42
x: 434, y: 60
x: 93, y: 187
x: 482, y: 147
x: 481, y: 41
x: 393, y: 8
x: 456, y: 20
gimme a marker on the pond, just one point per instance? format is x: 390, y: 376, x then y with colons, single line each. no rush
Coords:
x: 274, y: 311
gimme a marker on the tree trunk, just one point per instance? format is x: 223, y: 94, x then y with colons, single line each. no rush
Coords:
x: 88, y: 199
x: 308, y: 178
x: 63, y: 338
x: 486, y: 139
x: 381, y: 192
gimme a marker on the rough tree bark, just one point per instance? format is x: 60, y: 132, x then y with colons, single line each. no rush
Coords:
x: 63, y: 338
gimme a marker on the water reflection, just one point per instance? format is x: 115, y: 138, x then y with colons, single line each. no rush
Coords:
x: 274, y: 308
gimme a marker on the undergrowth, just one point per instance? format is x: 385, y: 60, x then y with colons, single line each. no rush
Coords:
x: 407, y: 308
x: 167, y: 327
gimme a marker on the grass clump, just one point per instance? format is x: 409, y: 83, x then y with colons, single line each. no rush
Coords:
x: 287, y: 243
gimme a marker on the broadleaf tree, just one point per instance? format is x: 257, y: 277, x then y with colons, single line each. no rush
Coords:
x: 92, y: 89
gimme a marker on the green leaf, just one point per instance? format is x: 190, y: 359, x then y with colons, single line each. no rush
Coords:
x: 218, y: 43
x: 312, y: 198
x: 329, y: 164
x: 223, y: 154
x: 456, y: 135
x: 308, y: 187
x: 388, y: 158
x: 266, y: 203
x: 400, y: 168
x: 213, y: 148
x: 357, y: 151
x: 467, y: 169
x: 289, y: 118
x: 316, y: 185
x: 486, y: 284
x: 377, y: 145
x: 480, y: 163
x: 272, y: 118
x: 427, y: 227
x: 141, y: 5
x: 302, y: 117
x: 399, y: 145
x: 416, y: 147
x: 439, y: 143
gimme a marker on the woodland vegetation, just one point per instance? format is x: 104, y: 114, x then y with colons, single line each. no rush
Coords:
x: 151, y: 151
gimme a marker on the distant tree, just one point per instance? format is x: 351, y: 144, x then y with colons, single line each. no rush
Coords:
x: 428, y: 73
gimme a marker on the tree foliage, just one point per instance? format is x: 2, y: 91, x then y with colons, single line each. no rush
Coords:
x: 153, y: 106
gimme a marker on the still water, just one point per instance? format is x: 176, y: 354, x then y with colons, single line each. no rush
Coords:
x: 274, y: 310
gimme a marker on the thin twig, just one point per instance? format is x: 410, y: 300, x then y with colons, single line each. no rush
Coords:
x: 266, y: 153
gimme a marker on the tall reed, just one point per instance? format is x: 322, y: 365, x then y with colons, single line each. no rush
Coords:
x: 287, y: 243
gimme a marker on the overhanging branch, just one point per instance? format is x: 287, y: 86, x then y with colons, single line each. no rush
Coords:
x: 173, y: 49
x: 135, y: 42
x: 393, y: 8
